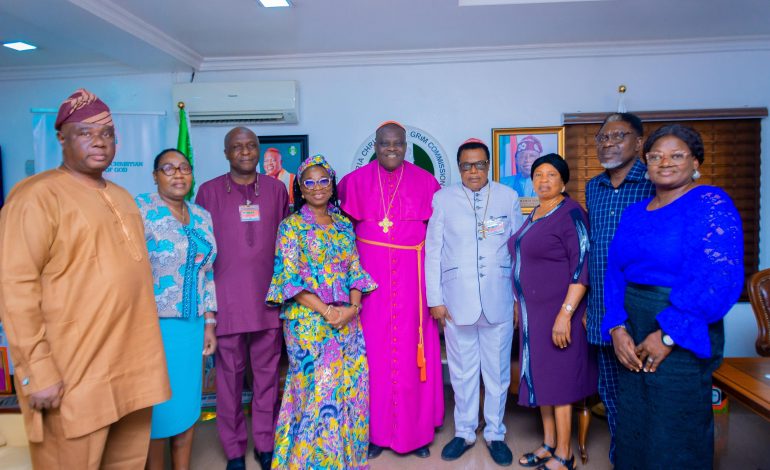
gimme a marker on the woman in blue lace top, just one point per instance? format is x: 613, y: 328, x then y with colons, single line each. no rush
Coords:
x: 675, y: 268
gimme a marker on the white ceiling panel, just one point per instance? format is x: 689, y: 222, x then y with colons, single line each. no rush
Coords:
x: 183, y: 34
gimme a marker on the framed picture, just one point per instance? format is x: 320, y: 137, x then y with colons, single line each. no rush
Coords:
x: 280, y: 156
x: 515, y: 149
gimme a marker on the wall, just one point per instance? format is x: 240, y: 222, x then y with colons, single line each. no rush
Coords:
x: 341, y: 106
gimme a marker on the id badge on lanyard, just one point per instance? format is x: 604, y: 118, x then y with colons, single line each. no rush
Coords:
x: 249, y: 212
x: 494, y: 226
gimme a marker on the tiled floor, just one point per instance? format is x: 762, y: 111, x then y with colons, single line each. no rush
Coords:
x: 743, y: 442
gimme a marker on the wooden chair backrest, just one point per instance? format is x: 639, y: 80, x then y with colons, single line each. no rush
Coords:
x: 759, y: 296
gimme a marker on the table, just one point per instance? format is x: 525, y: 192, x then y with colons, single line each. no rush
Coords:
x: 748, y: 380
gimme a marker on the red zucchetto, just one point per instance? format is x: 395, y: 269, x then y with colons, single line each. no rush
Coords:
x: 83, y: 106
x: 391, y: 123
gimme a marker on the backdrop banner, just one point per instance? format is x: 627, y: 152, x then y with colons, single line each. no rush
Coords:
x: 138, y: 138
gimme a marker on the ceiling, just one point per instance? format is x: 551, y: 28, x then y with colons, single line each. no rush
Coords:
x: 184, y: 35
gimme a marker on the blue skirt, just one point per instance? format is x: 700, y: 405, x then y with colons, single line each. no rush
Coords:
x: 664, y: 418
x: 183, y: 345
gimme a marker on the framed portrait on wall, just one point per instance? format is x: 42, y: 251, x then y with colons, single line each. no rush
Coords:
x: 280, y: 156
x: 515, y: 149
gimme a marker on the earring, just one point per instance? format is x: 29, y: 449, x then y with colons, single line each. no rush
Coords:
x: 695, y: 175
x: 646, y: 175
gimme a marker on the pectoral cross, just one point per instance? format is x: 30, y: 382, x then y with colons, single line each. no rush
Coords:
x: 385, y: 223
x: 483, y: 230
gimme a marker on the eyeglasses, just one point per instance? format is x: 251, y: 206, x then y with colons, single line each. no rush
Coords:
x: 480, y: 165
x: 238, y: 148
x: 320, y: 183
x: 170, y: 170
x: 654, y: 158
x: 614, y: 137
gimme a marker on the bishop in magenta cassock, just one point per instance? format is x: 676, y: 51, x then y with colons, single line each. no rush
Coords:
x: 389, y: 201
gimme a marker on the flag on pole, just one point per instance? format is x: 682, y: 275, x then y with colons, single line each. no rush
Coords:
x: 183, y: 144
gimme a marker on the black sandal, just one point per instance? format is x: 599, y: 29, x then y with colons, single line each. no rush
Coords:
x: 568, y: 464
x: 533, y: 460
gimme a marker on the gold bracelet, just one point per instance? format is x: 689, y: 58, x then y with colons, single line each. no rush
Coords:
x: 357, y: 307
x: 326, y: 313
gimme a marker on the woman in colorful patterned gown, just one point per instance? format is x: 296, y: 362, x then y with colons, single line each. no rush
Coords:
x: 318, y: 281
x: 180, y: 242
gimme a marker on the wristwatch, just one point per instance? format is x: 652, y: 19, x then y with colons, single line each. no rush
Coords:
x: 568, y: 307
x: 667, y: 340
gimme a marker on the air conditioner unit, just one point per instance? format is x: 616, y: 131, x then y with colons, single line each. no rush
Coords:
x: 264, y: 102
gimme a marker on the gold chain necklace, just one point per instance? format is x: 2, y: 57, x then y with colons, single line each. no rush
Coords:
x: 483, y: 229
x: 386, y: 223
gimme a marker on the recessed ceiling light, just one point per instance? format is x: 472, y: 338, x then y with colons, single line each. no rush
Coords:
x: 274, y: 3
x: 19, y: 46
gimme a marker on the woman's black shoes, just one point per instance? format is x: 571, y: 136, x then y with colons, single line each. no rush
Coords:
x: 568, y: 464
x: 531, y: 459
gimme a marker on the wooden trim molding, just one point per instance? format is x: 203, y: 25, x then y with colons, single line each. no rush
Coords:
x: 676, y: 115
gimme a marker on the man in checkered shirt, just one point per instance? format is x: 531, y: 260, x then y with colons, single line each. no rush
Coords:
x: 624, y: 182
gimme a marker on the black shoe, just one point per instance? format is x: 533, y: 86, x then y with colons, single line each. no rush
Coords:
x: 568, y: 464
x: 374, y: 451
x: 238, y: 463
x: 531, y: 459
x: 455, y: 449
x: 500, y: 453
x: 264, y: 459
x: 423, y: 452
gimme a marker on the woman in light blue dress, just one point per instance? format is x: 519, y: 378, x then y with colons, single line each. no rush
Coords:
x: 180, y: 242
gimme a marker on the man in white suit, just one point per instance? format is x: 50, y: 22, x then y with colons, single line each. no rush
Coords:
x: 468, y: 277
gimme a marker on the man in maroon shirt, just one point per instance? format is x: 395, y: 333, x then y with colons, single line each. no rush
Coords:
x: 246, y: 210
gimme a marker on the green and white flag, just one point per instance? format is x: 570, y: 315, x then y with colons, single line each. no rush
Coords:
x: 183, y: 144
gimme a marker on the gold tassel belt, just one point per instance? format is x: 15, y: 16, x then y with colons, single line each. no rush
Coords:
x: 421, y: 363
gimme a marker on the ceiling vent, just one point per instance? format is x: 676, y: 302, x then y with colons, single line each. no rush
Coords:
x: 214, y: 103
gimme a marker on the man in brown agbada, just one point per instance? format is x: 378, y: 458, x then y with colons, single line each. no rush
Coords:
x: 76, y: 300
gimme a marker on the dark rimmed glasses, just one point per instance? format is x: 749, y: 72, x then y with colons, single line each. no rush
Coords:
x: 170, y: 170
x: 481, y: 165
x: 614, y: 137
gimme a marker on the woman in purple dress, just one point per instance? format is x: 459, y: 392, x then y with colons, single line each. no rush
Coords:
x: 550, y: 276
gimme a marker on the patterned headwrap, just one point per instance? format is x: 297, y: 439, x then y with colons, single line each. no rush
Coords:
x: 530, y: 142
x: 83, y: 106
x: 313, y: 161
x: 391, y: 123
